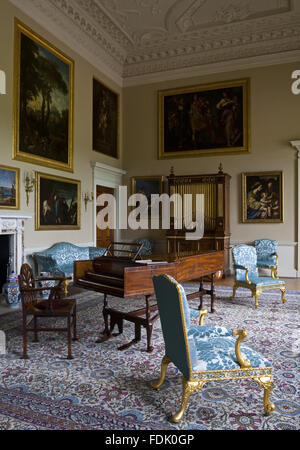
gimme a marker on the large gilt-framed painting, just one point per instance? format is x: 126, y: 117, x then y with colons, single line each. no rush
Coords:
x: 204, y: 120
x: 43, y: 102
x: 9, y: 187
x: 57, y: 203
x: 106, y: 110
x: 262, y: 197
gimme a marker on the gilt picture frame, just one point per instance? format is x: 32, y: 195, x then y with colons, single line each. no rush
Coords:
x: 106, y: 120
x: 262, y: 197
x: 43, y: 102
x: 57, y: 203
x: 204, y: 120
x: 9, y: 187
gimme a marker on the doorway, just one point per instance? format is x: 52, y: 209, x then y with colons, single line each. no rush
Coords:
x: 103, y: 237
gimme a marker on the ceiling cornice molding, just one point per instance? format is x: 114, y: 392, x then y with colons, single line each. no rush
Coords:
x: 86, y: 27
x: 50, y: 18
x: 209, y: 69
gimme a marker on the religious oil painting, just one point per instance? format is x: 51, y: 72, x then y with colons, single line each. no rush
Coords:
x: 9, y: 187
x: 57, y: 203
x: 105, y: 120
x: 43, y: 102
x: 262, y: 197
x: 204, y: 120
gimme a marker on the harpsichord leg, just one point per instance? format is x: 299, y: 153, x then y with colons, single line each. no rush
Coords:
x: 106, y: 331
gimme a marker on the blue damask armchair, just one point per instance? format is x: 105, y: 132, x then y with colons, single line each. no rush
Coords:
x: 204, y: 353
x: 147, y: 248
x: 244, y: 260
x: 267, y: 256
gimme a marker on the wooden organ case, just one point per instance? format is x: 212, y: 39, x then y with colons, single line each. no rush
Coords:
x: 216, y: 190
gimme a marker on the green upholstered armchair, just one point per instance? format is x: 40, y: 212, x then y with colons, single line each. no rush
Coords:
x: 204, y: 353
x: 244, y: 260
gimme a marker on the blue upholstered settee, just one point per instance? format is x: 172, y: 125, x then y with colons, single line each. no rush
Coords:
x: 59, y: 259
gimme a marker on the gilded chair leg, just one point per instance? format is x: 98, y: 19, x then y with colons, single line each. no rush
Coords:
x: 256, y: 294
x: 187, y: 388
x: 282, y: 295
x: 267, y: 383
x: 234, y: 292
x: 164, y: 365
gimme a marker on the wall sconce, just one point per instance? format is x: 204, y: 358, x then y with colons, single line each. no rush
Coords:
x: 29, y: 183
x: 2, y: 82
x: 88, y: 198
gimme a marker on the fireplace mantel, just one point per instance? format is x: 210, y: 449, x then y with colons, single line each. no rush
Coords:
x: 13, y: 224
x: 14, y: 216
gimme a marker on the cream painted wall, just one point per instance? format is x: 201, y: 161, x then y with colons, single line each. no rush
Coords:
x: 83, y: 154
x: 274, y: 122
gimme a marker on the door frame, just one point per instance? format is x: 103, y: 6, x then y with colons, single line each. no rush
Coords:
x: 108, y: 176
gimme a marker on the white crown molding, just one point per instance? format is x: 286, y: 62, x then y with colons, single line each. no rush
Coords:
x: 50, y: 18
x: 233, y: 39
x: 209, y: 69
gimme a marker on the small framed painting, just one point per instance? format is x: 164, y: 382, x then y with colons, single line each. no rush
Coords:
x: 262, y: 197
x: 57, y: 203
x: 105, y: 120
x: 147, y: 185
x: 9, y: 187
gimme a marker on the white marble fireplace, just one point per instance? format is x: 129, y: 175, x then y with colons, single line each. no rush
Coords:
x: 12, y: 225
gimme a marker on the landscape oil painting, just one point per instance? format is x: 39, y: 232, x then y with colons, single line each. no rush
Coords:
x: 9, y: 187
x: 57, y: 203
x: 204, y: 120
x: 43, y: 102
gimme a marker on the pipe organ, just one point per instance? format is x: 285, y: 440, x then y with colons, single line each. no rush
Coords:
x: 213, y: 206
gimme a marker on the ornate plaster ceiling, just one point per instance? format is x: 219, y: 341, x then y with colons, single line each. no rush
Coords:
x: 144, y: 40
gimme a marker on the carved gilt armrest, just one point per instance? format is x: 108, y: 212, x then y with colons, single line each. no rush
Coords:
x: 237, y: 266
x: 244, y: 363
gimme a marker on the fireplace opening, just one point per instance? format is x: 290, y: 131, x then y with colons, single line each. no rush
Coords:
x: 4, y: 258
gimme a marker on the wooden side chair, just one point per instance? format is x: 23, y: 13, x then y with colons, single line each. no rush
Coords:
x: 54, y: 306
x: 204, y: 353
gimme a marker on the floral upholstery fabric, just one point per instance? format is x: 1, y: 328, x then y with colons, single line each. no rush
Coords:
x: 266, y: 250
x: 218, y: 353
x: 59, y: 259
x: 244, y: 256
x: 261, y: 281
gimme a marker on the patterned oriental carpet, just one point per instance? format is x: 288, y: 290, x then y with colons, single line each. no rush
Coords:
x: 106, y: 389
